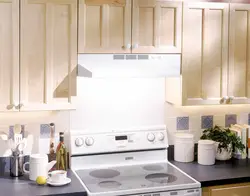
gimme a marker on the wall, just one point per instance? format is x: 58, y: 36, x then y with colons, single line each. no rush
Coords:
x: 36, y: 129
x: 194, y: 119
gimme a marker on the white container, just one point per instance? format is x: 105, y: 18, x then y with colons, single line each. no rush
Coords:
x: 38, y: 166
x: 206, y: 152
x: 184, y: 147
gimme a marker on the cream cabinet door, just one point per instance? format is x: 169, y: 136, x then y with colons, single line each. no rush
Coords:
x: 205, y: 52
x: 48, y: 54
x: 239, y: 53
x: 9, y: 54
x: 231, y: 191
x: 104, y: 26
x: 156, y: 26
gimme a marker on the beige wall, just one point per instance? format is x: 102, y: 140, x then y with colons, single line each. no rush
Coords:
x: 195, y: 112
x: 32, y: 122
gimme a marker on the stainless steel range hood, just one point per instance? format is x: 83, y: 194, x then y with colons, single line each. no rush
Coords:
x: 128, y: 65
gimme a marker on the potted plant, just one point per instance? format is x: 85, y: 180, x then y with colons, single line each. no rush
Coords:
x: 227, y: 142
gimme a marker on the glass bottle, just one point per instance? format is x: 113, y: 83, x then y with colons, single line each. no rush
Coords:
x: 61, y: 154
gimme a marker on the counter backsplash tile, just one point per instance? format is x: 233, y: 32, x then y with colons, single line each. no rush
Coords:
x: 230, y: 119
x: 44, y: 131
x: 182, y: 123
x: 207, y: 122
x: 194, y: 119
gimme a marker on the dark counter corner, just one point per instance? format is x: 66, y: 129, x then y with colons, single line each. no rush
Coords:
x: 223, y: 172
x: 22, y: 186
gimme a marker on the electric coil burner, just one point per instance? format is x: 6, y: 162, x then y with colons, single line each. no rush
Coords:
x: 130, y: 163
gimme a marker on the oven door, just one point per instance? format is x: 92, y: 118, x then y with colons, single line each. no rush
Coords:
x: 189, y: 192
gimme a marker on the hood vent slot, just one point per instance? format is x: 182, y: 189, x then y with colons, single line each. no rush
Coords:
x: 118, y: 57
x: 130, y: 57
x: 142, y: 57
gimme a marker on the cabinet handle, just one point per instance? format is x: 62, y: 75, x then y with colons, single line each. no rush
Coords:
x: 230, y: 100
x: 128, y: 46
x: 10, y: 107
x: 223, y: 99
x: 18, y: 107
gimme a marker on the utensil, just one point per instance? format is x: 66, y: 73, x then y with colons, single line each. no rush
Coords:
x: 38, y: 166
x: 21, y: 146
x: 18, y: 138
x: 3, y: 136
x: 16, y: 165
x: 52, y: 138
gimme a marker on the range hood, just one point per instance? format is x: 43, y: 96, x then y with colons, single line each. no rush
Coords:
x: 128, y: 65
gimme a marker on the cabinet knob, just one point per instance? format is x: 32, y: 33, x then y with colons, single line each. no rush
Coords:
x: 128, y: 46
x: 18, y: 107
x: 230, y: 100
x: 223, y: 99
x: 10, y: 107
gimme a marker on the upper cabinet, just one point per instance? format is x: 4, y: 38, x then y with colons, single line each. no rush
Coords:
x: 156, y: 26
x: 104, y: 26
x: 38, y: 54
x: 48, y: 48
x: 239, y: 54
x: 205, y: 53
x: 9, y: 54
x: 125, y: 26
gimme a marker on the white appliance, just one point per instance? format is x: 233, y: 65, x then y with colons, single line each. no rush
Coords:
x: 129, y: 65
x: 129, y: 163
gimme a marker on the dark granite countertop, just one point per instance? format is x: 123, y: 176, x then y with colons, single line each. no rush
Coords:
x: 22, y: 186
x: 223, y: 172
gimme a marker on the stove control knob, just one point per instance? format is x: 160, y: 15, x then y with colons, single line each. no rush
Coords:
x: 151, y: 137
x: 160, y: 136
x: 89, y: 141
x: 79, y: 142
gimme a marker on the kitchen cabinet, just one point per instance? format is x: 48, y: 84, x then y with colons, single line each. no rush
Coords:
x: 129, y: 26
x: 156, y: 26
x: 9, y: 54
x: 242, y: 189
x: 239, y: 54
x: 204, y: 53
x: 205, y: 72
x: 48, y: 54
x: 104, y: 26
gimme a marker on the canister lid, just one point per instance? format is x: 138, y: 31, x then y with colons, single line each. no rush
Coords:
x: 184, y: 136
x: 206, y: 142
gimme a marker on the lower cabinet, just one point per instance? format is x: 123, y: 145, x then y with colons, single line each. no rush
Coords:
x: 227, y: 190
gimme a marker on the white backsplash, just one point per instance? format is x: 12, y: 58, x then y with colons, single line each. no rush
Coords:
x: 119, y: 103
x: 32, y: 122
x: 62, y: 120
x: 195, y: 114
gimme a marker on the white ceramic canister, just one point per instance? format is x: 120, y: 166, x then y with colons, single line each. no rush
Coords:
x: 206, y: 152
x: 184, y: 147
x: 38, y: 166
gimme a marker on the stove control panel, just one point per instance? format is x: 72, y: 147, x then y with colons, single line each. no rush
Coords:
x: 118, y: 140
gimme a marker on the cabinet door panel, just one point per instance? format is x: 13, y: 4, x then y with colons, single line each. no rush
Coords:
x: 48, y: 54
x: 156, y: 26
x: 9, y: 54
x: 239, y: 53
x: 231, y: 191
x: 104, y: 26
x: 205, y: 53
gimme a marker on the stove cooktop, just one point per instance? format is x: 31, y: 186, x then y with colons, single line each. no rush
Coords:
x: 159, y: 176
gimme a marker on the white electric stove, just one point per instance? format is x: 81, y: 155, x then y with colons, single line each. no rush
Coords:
x: 128, y: 162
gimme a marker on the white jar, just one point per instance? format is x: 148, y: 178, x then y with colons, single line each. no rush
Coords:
x: 184, y: 147
x: 206, y: 152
